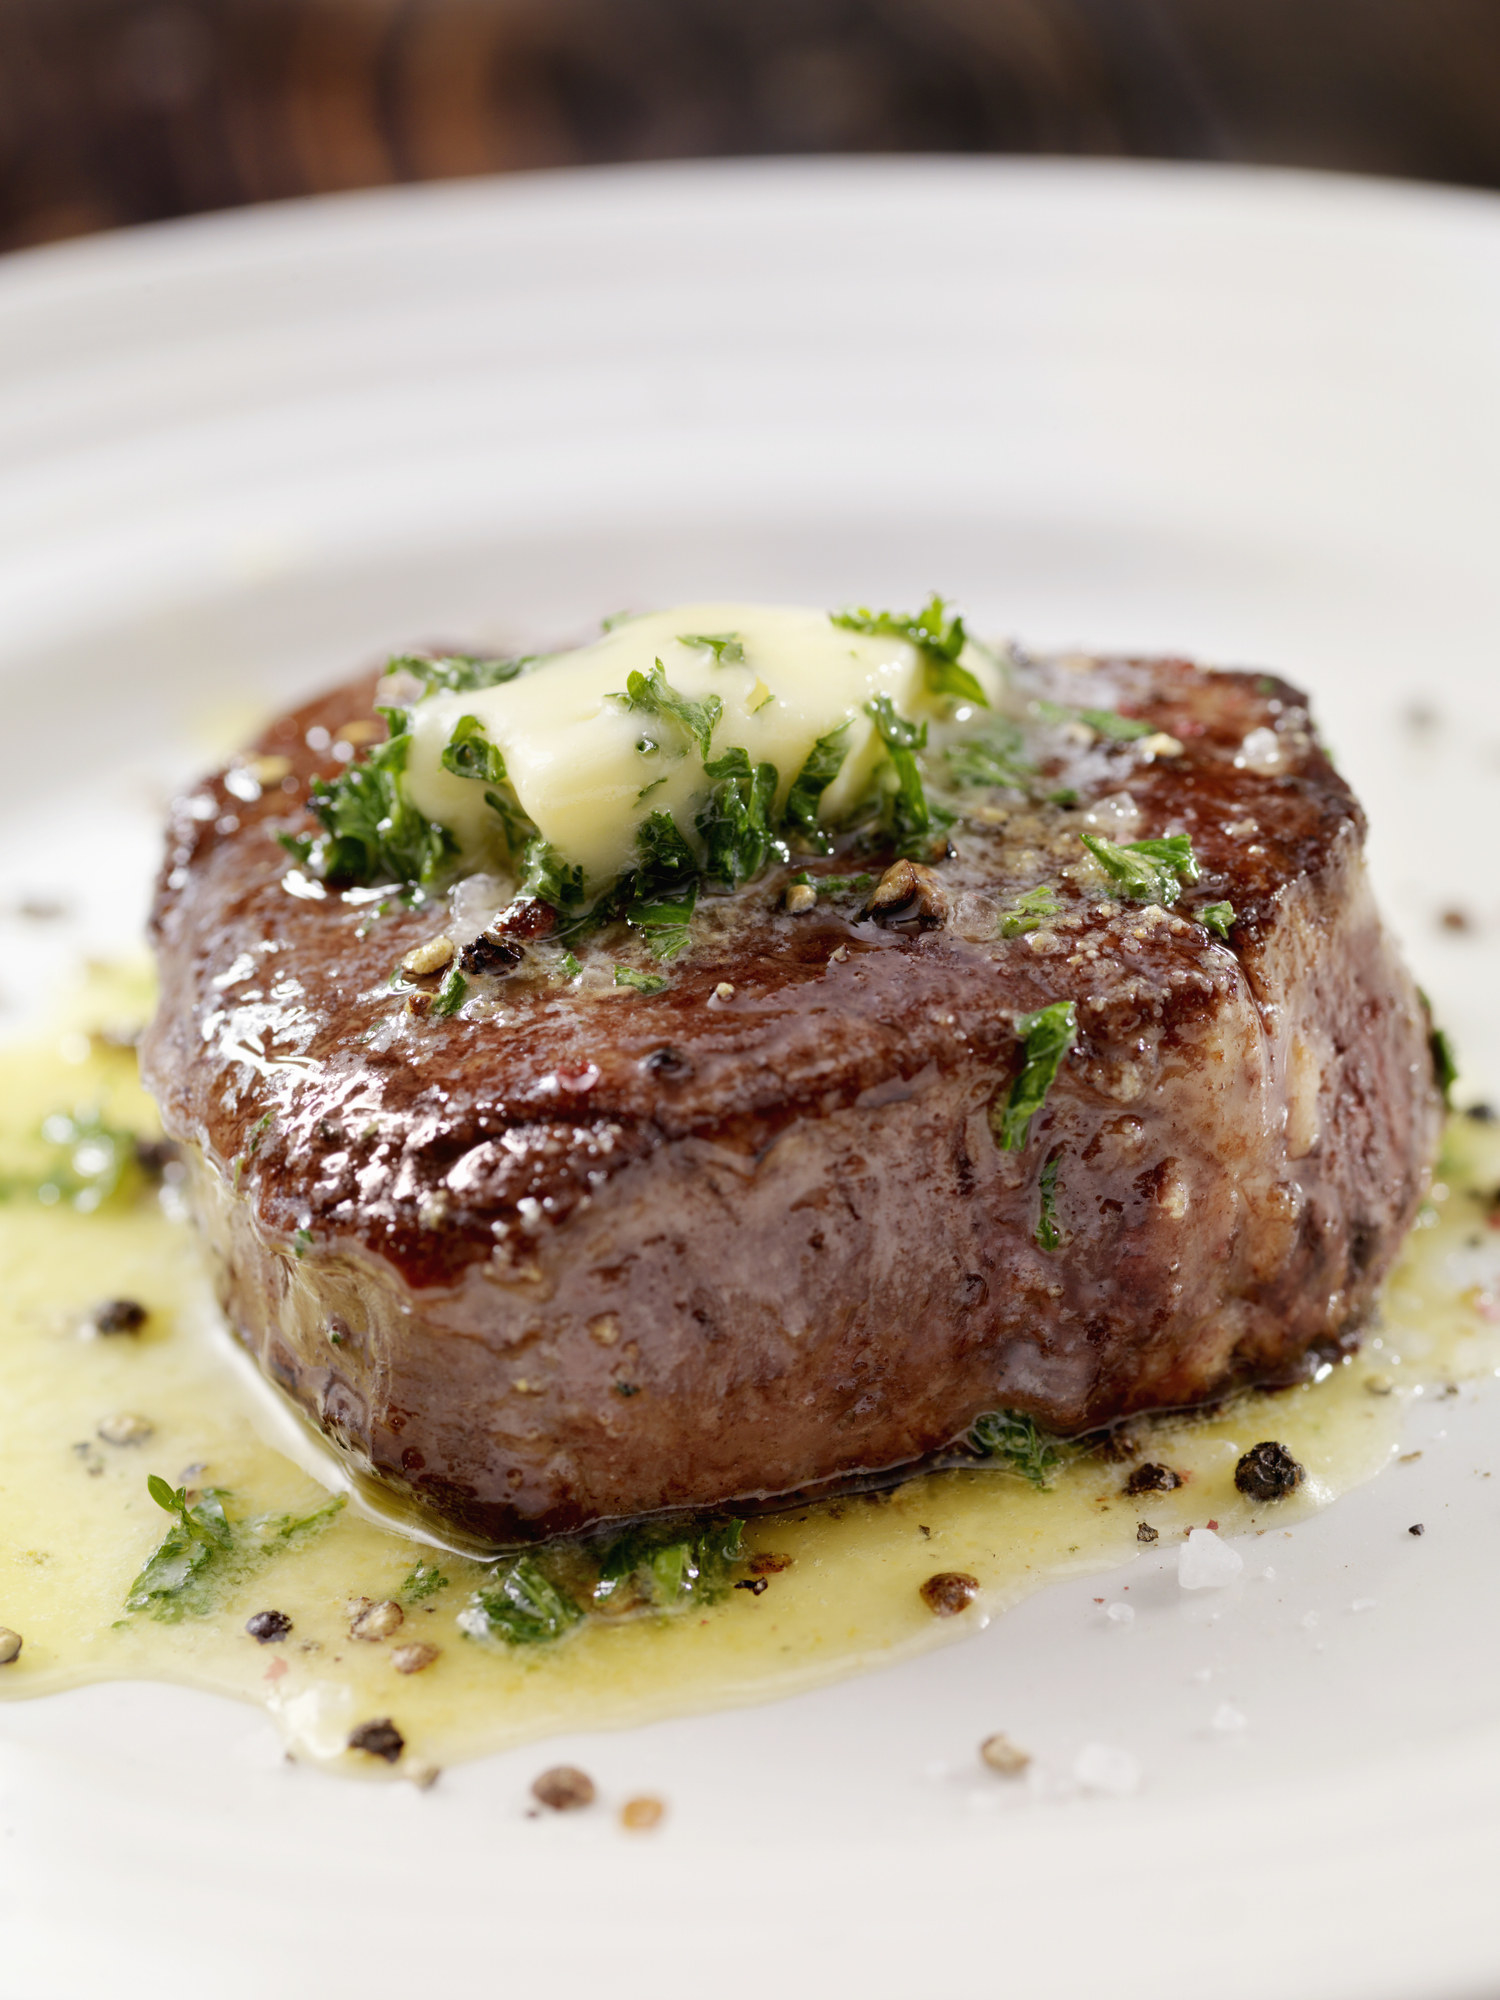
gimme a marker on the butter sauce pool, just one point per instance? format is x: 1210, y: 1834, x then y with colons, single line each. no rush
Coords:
x: 828, y: 1590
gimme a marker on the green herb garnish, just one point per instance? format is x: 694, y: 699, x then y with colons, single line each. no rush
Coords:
x: 664, y: 887
x: 370, y: 832
x: 800, y: 815
x: 569, y: 966
x: 652, y: 694
x: 1146, y: 871
x: 1103, y: 721
x: 937, y: 636
x: 991, y: 759
x: 735, y: 824
x: 667, y: 1570
x: 643, y: 982
x: 1444, y: 1062
x: 520, y: 1605
x: 1046, y: 1221
x: 451, y: 995
x: 728, y: 649
x: 910, y: 817
x: 301, y: 1243
x: 1030, y: 912
x: 1047, y: 1035
x: 1013, y: 1440
x: 203, y: 1553
x: 1217, y: 917
x: 425, y: 1580
x: 458, y: 673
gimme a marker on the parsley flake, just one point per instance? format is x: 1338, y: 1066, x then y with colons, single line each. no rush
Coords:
x: 457, y: 673
x: 1047, y: 1036
x: 1103, y: 721
x: 451, y: 995
x: 1217, y: 917
x: 910, y: 817
x: 643, y: 982
x: 1146, y: 871
x: 938, y: 636
x: 1030, y: 912
x: 1013, y: 1440
x: 370, y: 832
x: 652, y: 694
x: 728, y: 648
x: 520, y: 1605
x: 822, y: 765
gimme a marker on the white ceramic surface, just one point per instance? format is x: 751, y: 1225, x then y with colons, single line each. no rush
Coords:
x: 1251, y: 417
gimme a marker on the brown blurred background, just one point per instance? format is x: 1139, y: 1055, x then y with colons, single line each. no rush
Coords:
x: 119, y: 111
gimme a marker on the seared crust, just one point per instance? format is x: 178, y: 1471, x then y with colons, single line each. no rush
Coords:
x: 579, y: 1254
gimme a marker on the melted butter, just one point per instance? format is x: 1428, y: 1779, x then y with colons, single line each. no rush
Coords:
x: 76, y: 1523
x: 787, y: 677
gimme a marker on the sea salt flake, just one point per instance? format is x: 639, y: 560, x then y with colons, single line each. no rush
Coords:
x: 1206, y: 1563
x: 1098, y: 1768
x: 1122, y: 1614
x: 1227, y: 1717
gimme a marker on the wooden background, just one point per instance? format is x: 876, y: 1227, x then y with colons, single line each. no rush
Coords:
x: 118, y: 111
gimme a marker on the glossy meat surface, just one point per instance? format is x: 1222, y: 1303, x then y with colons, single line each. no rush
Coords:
x: 580, y: 1253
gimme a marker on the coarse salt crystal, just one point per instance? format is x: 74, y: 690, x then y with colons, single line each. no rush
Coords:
x: 1098, y: 1768
x: 1122, y: 1614
x: 1363, y: 1604
x: 1227, y: 1717
x: 1206, y: 1563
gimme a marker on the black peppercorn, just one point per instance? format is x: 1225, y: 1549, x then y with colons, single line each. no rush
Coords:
x: 266, y: 1626
x: 1153, y: 1479
x: 378, y: 1739
x: 1268, y: 1472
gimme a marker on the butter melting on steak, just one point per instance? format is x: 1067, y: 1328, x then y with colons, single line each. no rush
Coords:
x: 574, y: 1254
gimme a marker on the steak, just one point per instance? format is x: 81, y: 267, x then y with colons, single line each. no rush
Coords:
x: 582, y: 1252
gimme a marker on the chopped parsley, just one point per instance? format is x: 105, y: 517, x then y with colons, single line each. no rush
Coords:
x: 991, y: 759
x: 1444, y: 1062
x: 1030, y: 912
x: 1046, y: 1221
x: 451, y: 995
x: 643, y: 982
x: 1103, y: 721
x: 520, y: 1605
x: 1217, y: 917
x: 728, y: 648
x: 1012, y: 1440
x: 800, y: 815
x: 937, y: 635
x: 664, y: 888
x: 301, y: 1243
x: 204, y: 1552
x: 653, y: 695
x: 569, y: 966
x: 1046, y: 1035
x: 370, y: 832
x: 425, y: 1580
x: 735, y: 824
x: 1146, y: 871
x: 665, y: 1569
x: 458, y: 673
x: 910, y: 818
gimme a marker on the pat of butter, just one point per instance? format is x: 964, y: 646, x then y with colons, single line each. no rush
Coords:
x: 573, y: 755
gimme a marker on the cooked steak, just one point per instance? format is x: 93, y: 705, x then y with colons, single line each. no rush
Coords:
x: 580, y: 1251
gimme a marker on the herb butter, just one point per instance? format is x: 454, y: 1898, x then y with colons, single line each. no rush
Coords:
x: 589, y: 766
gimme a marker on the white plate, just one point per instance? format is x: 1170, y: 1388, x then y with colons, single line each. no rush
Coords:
x: 1251, y: 417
